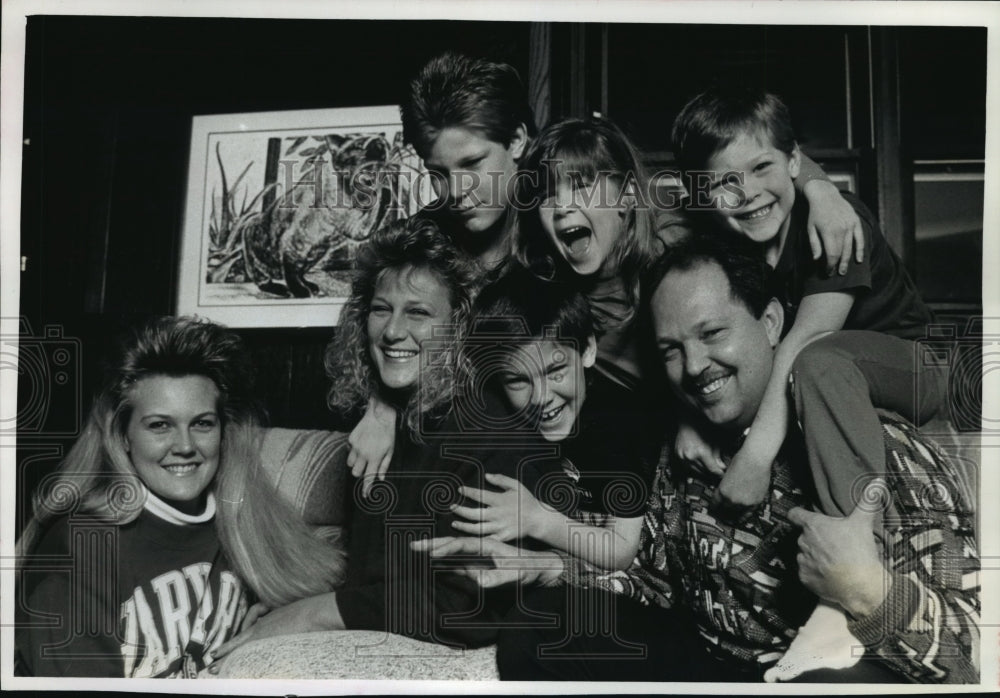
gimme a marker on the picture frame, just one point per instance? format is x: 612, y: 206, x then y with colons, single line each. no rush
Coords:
x: 278, y: 204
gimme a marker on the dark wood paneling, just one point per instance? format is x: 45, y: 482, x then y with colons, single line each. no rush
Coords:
x: 943, y: 91
x: 894, y: 171
x: 653, y: 70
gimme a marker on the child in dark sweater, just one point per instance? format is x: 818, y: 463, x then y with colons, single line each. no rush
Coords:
x: 533, y: 343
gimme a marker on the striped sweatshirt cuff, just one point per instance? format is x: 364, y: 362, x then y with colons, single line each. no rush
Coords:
x: 895, y: 613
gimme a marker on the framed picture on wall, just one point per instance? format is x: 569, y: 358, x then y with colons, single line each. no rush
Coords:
x: 278, y: 204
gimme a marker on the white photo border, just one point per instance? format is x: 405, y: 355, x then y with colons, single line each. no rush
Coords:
x: 831, y: 12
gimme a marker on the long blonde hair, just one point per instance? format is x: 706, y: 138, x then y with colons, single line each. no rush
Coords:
x: 264, y: 539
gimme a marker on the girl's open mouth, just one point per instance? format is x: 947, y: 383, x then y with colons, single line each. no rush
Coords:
x: 577, y: 239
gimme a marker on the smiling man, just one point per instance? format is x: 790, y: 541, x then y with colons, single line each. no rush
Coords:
x: 717, y: 352
x: 722, y: 601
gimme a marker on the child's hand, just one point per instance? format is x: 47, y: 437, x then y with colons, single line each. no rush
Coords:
x: 834, y: 226
x: 507, y: 515
x: 692, y: 448
x: 744, y: 485
x: 372, y: 443
x: 510, y: 564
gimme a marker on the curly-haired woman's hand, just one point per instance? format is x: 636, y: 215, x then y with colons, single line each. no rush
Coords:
x: 372, y: 443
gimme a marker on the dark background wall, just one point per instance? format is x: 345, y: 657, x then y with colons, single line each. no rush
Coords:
x: 109, y: 102
x: 108, y: 108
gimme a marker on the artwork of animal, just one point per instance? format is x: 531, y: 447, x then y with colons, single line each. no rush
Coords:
x: 341, y: 192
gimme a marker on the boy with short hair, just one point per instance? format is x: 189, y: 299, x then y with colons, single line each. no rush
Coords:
x: 745, y: 141
x: 533, y: 343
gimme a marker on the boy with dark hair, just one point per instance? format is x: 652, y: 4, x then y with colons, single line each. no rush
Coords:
x: 533, y: 343
x: 470, y: 121
x: 456, y: 90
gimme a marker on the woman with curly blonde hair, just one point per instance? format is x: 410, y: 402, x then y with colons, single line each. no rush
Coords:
x: 404, y: 252
x: 170, y: 522
x: 397, y: 340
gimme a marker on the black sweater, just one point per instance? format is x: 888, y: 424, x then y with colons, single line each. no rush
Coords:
x: 148, y: 599
x: 388, y: 586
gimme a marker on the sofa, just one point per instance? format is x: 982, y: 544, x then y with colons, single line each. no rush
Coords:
x: 309, y: 470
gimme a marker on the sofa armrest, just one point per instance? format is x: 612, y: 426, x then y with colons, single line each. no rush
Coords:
x: 309, y: 469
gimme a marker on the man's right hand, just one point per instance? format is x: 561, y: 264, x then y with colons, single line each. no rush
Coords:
x: 510, y: 564
x: 839, y: 558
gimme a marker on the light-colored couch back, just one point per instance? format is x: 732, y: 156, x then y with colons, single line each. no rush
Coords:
x: 309, y: 468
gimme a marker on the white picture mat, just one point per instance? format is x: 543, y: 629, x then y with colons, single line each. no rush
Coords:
x: 245, y: 139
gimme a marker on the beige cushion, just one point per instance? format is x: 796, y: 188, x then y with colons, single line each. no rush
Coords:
x: 353, y: 654
x: 309, y: 469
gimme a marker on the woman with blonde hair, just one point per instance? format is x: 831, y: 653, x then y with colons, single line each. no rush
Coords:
x: 398, y: 338
x: 171, y: 525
